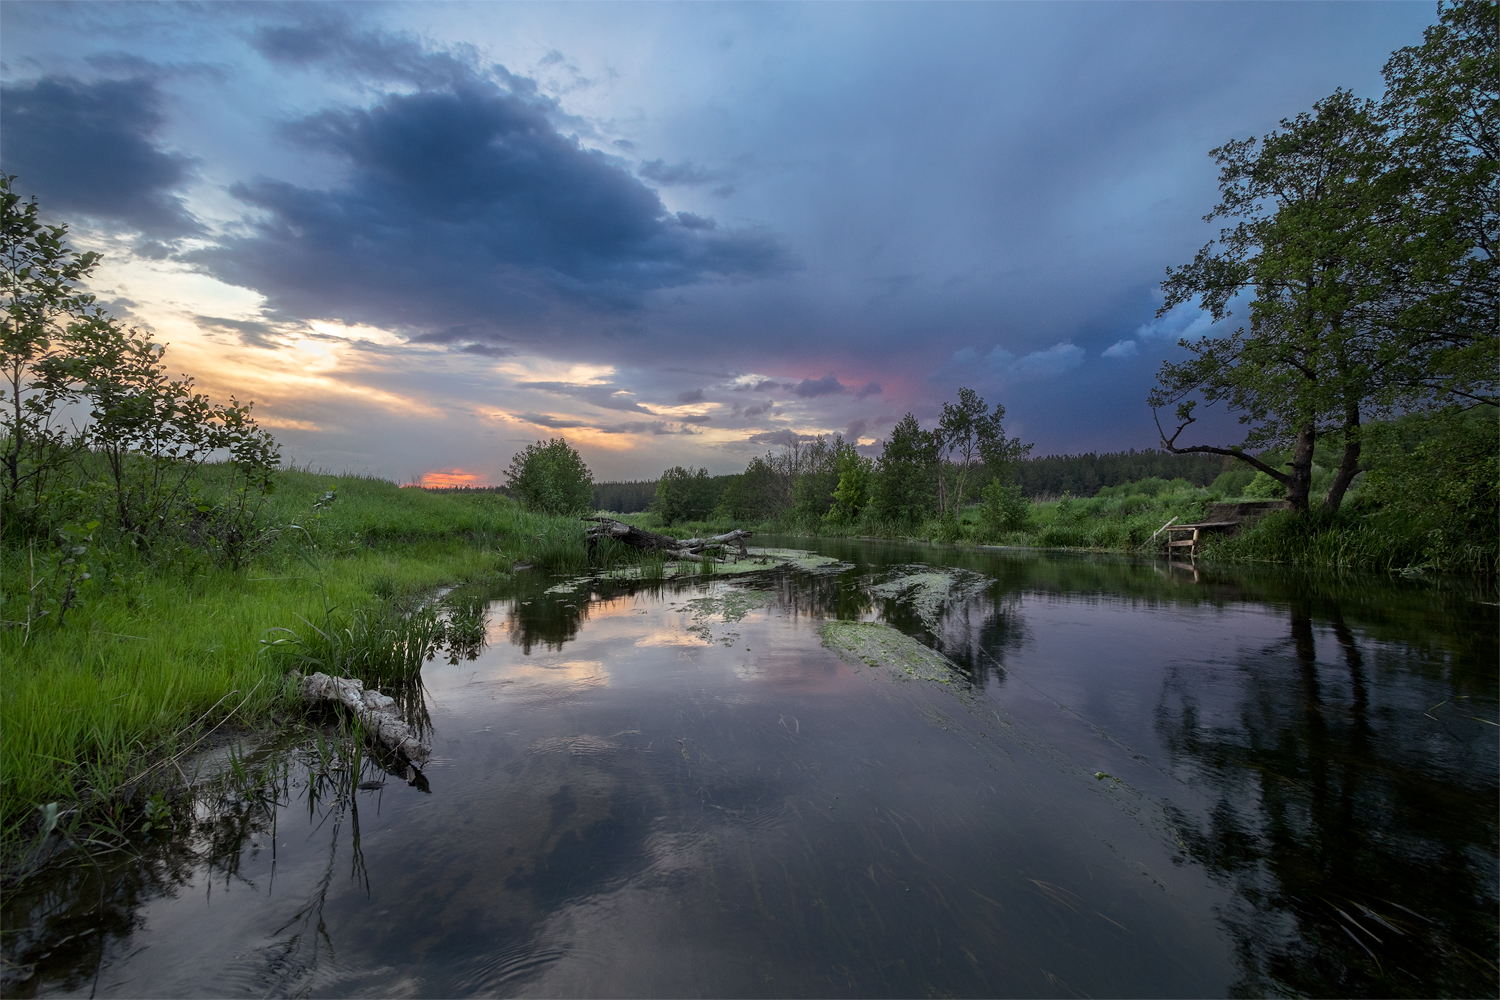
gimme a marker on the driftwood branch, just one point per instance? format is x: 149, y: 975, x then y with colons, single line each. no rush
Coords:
x: 693, y: 549
x: 375, y: 711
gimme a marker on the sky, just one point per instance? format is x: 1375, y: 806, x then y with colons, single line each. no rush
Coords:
x: 422, y: 236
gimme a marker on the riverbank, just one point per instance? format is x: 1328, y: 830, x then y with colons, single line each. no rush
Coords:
x: 1432, y: 507
x: 157, y: 648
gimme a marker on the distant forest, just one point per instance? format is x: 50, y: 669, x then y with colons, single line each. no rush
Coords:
x: 1085, y: 475
x: 1039, y: 478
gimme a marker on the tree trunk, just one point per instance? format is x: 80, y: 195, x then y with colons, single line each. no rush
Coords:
x: 1349, y: 467
x: 1299, y: 482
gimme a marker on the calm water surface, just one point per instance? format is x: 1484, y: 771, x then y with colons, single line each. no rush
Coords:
x: 1141, y: 781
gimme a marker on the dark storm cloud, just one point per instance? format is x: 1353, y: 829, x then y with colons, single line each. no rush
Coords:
x: 825, y: 386
x: 757, y: 409
x: 868, y: 389
x: 466, y: 207
x: 328, y: 38
x: 89, y: 148
x: 691, y: 396
x: 684, y: 173
x: 486, y: 350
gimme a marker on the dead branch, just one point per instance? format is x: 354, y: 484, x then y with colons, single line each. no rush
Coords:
x: 693, y: 549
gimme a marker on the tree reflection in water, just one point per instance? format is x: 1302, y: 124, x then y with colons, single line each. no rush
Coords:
x: 1348, y: 820
x: 1348, y: 804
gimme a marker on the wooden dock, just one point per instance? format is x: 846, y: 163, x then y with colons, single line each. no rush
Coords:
x: 1224, y: 518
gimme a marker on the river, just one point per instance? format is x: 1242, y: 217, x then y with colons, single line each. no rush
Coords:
x: 1136, y: 780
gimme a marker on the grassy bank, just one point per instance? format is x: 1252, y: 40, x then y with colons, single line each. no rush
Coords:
x: 157, y: 647
x: 1422, y: 533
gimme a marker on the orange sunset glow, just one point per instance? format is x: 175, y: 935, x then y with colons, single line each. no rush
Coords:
x: 451, y: 477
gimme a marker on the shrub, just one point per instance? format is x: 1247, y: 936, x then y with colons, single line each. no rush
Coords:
x: 550, y: 478
x: 1263, y: 487
x: 1003, y: 508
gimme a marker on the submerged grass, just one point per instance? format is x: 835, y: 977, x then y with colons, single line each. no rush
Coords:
x: 877, y: 644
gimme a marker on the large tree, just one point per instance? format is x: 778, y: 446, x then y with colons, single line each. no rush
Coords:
x: 967, y: 434
x: 905, y: 486
x: 1442, y: 106
x: 551, y: 477
x: 1365, y: 243
x: 1309, y: 214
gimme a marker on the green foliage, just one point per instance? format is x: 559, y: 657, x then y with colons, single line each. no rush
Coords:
x: 1441, y: 104
x: 852, y: 495
x: 630, y: 497
x: 1233, y: 482
x: 1444, y: 488
x: 131, y: 467
x: 152, y: 432
x: 815, y: 477
x: 551, y: 478
x: 1263, y: 487
x: 683, y: 495
x: 755, y: 495
x: 1003, y: 508
x: 161, y: 644
x: 905, y: 491
x: 39, y: 277
x: 1090, y: 473
x: 1365, y: 236
x: 966, y: 436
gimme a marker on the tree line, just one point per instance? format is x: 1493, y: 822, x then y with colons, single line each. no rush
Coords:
x: 1039, y: 477
x: 919, y: 475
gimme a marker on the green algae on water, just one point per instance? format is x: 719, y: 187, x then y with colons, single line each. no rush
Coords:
x: 876, y: 644
x: 759, y: 560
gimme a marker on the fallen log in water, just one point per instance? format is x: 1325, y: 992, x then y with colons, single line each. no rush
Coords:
x: 677, y: 548
x: 375, y: 711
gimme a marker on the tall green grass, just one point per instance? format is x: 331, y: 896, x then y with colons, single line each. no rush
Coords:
x: 1352, y: 539
x: 165, y: 644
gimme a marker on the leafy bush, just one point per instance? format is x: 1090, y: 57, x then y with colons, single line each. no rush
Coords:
x: 852, y: 495
x: 133, y: 462
x: 550, y: 478
x: 1003, y: 508
x: 1263, y: 487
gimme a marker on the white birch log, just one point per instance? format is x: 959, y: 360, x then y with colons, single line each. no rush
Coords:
x: 375, y: 711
